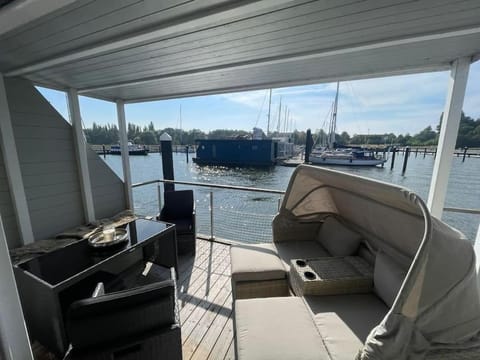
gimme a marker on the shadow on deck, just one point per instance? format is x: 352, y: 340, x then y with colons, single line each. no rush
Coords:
x: 205, y: 300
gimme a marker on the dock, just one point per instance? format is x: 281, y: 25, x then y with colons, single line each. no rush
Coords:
x: 291, y: 162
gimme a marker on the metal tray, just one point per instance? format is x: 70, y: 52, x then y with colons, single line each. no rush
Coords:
x: 97, y: 241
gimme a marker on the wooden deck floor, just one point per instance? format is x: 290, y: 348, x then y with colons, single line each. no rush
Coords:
x: 205, y: 300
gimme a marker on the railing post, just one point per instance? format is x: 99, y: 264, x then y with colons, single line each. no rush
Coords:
x: 212, y: 237
x: 465, y: 149
x: 159, y: 192
x: 392, y: 163
x: 406, y: 154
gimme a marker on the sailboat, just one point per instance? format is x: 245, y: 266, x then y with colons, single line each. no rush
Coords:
x: 343, y: 156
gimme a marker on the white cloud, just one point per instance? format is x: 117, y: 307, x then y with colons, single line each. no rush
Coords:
x: 397, y: 104
x: 251, y: 99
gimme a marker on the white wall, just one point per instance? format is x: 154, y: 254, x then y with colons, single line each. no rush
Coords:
x: 46, y: 154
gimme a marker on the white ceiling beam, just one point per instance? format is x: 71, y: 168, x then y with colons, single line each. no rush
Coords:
x: 65, y: 90
x: 448, y: 135
x: 202, y: 21
x: 22, y: 12
x: 289, y: 58
x: 299, y: 82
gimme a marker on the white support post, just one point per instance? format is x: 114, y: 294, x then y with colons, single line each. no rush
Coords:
x: 127, y: 177
x: 448, y: 135
x: 13, y: 333
x: 12, y: 168
x: 477, y: 253
x: 81, y: 154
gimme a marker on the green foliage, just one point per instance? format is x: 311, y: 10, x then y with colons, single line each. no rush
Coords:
x: 228, y: 134
x: 468, y: 135
x: 98, y: 134
x: 469, y: 132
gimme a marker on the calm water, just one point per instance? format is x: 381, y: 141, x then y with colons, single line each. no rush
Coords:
x: 247, y: 216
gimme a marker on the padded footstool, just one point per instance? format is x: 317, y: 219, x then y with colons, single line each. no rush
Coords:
x: 257, y: 271
x: 276, y: 328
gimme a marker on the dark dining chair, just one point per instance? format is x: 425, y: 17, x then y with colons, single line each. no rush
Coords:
x: 179, y: 209
x: 138, y: 323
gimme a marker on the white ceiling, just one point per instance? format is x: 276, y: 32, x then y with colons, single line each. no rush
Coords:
x: 137, y: 50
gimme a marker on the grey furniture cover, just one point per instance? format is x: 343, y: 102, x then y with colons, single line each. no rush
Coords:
x: 437, y: 310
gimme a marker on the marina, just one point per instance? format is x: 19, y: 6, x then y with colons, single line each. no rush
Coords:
x: 106, y: 256
x: 259, y: 209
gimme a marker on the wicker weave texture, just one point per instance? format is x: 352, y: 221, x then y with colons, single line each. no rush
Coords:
x: 331, y: 276
x: 260, y: 289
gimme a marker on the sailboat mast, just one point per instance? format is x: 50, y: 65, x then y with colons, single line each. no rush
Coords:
x: 180, y: 120
x: 334, y: 118
x: 279, y: 115
x: 269, y: 109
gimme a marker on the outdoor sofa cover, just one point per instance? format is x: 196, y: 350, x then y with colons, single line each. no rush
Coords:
x: 436, y: 313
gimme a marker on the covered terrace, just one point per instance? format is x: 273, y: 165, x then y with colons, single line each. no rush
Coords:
x: 134, y: 51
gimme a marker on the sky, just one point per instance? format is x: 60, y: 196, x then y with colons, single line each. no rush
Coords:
x: 398, y: 104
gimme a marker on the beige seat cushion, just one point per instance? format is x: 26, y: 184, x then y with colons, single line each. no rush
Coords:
x: 344, y: 321
x: 276, y: 328
x: 288, y: 250
x: 256, y: 263
x: 388, y: 278
x: 337, y: 238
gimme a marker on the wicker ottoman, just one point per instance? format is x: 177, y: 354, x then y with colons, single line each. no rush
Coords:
x: 257, y: 272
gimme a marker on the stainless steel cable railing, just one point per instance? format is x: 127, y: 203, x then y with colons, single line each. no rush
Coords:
x: 233, y: 212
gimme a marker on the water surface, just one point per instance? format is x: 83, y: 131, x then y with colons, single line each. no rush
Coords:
x: 247, y: 216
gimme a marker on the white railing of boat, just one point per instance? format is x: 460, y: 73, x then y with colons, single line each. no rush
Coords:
x: 259, y: 224
x: 237, y: 224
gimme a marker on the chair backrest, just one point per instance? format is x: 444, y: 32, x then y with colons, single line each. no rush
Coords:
x: 178, y: 204
x: 121, y: 315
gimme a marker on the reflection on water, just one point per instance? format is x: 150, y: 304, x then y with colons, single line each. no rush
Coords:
x: 237, y: 212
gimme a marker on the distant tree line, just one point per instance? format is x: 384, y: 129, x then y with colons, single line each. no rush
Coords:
x: 468, y: 135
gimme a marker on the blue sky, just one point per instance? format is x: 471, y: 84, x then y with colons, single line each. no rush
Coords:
x: 399, y: 104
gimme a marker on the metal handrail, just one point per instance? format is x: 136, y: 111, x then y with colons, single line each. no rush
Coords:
x: 462, y: 210
x: 212, y: 236
x: 216, y: 186
x: 272, y: 191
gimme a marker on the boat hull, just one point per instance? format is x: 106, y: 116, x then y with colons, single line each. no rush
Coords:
x: 131, y: 152
x: 236, y: 152
x: 347, y: 162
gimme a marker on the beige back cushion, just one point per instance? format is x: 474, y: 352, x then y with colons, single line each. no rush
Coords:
x: 388, y: 277
x: 338, y: 239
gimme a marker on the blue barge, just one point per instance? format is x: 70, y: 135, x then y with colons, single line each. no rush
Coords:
x: 236, y: 152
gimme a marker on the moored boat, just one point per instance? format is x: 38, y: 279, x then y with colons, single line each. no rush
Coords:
x: 347, y: 157
x: 133, y: 149
x: 343, y: 156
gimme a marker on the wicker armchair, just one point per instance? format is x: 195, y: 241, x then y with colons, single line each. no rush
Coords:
x: 137, y: 323
x: 179, y: 209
